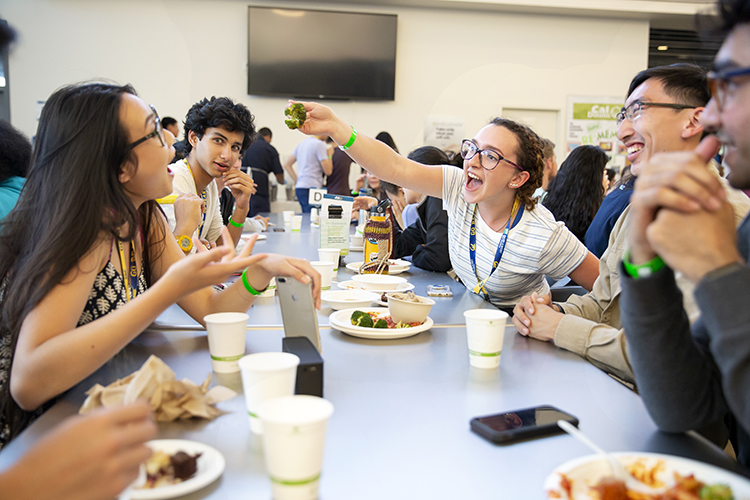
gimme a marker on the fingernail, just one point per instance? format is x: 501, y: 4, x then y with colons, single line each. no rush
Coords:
x: 527, y: 323
x: 714, y: 203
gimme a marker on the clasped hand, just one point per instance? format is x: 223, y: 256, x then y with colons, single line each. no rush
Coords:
x: 535, y: 316
x: 680, y: 212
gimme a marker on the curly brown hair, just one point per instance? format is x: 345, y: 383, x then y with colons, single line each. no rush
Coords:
x: 529, y: 158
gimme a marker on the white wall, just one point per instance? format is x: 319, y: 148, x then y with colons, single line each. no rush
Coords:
x: 174, y: 52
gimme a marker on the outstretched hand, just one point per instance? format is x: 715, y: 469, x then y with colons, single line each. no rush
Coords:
x: 208, y: 267
x: 86, y: 458
x: 321, y: 120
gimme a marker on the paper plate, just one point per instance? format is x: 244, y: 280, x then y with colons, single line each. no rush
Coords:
x: 211, y: 465
x: 398, y: 266
x: 587, y: 471
x: 352, y: 285
x: 341, y: 320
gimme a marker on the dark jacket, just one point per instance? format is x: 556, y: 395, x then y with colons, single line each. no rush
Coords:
x: 427, y: 239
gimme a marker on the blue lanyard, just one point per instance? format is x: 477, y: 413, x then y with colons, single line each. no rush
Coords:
x: 517, y: 211
x: 133, y: 274
x: 204, y: 195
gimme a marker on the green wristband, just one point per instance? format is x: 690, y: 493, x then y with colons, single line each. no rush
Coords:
x: 642, y: 270
x: 351, y: 140
x: 249, y: 288
x: 235, y: 224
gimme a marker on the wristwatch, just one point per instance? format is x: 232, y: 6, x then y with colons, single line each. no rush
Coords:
x: 185, y: 243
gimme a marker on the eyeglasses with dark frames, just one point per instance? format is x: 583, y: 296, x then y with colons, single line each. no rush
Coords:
x: 469, y: 148
x: 158, y: 131
x: 633, y: 110
x: 718, y: 81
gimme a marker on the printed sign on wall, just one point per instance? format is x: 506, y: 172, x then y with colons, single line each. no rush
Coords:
x: 592, y: 120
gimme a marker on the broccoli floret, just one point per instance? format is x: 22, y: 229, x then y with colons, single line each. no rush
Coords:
x: 297, y: 115
x: 360, y: 318
x: 381, y: 323
x: 716, y: 492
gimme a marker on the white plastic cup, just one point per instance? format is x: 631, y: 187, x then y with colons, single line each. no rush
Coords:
x: 485, y: 330
x: 266, y: 375
x: 330, y: 255
x: 325, y: 268
x: 314, y: 216
x: 270, y: 291
x: 287, y: 214
x: 226, y: 339
x: 296, y: 222
x: 294, y: 433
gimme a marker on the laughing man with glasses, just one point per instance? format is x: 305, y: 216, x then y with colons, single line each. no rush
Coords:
x: 590, y: 325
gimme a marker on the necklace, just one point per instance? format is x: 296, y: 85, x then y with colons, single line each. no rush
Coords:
x: 515, y: 215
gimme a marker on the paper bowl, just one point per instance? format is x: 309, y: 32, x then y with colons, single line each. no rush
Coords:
x: 406, y: 311
x: 356, y: 240
x: 347, y: 299
x: 378, y: 281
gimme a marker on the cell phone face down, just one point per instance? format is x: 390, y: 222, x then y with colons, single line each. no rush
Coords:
x: 298, y: 310
x: 521, y: 424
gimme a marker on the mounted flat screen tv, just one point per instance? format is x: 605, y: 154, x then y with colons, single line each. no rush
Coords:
x: 321, y: 54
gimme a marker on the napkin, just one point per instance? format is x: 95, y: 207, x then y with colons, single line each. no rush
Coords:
x: 170, y: 399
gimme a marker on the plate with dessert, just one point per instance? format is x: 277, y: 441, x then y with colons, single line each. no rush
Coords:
x: 176, y: 468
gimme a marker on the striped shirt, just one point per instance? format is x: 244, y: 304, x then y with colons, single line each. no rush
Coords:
x: 536, y: 246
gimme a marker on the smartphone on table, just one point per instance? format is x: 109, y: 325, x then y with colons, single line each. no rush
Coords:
x: 298, y: 310
x: 521, y: 424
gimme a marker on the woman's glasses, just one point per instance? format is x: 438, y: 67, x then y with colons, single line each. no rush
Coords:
x: 158, y: 131
x: 469, y: 148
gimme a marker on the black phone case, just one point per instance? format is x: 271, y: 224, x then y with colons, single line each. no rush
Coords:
x: 521, y: 433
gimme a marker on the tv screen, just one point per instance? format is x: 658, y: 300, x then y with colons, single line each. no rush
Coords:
x: 321, y: 54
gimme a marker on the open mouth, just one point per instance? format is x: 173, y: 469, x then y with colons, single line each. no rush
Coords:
x: 634, y: 149
x: 472, y: 181
x: 221, y: 167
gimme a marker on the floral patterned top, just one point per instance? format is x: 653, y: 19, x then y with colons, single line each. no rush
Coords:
x: 107, y: 294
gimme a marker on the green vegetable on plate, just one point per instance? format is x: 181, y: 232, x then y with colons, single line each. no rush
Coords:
x: 363, y: 319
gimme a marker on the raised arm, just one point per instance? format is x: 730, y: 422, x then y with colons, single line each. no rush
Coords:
x: 373, y: 155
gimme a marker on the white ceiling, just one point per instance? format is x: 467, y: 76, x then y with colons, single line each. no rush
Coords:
x: 676, y: 14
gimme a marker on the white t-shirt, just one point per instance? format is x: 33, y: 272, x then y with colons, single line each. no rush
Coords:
x: 309, y: 154
x: 184, y: 183
x: 536, y: 246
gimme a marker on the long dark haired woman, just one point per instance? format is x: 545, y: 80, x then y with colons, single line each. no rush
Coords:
x: 575, y: 194
x: 86, y: 262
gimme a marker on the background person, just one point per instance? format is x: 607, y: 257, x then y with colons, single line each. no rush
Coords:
x: 171, y: 125
x: 550, y: 167
x: 15, y: 155
x: 575, y: 194
x: 313, y: 163
x: 261, y: 155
